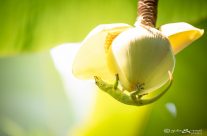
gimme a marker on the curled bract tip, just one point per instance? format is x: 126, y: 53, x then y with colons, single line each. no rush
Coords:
x: 170, y: 75
x: 181, y: 34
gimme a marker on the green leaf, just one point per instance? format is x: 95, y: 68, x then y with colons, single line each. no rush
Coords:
x: 181, y: 11
x: 32, y: 98
x: 28, y: 26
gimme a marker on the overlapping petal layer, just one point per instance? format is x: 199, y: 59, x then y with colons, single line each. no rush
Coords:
x: 91, y: 58
x: 142, y: 55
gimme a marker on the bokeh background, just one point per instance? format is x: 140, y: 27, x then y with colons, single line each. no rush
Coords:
x: 34, y: 99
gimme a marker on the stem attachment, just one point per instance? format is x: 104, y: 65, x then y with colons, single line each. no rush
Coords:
x: 147, y: 11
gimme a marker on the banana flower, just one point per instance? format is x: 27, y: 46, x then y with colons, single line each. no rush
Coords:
x: 139, y: 59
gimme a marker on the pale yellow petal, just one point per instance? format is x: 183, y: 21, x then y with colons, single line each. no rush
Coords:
x: 158, y: 92
x: 91, y: 58
x: 181, y: 34
x: 142, y: 55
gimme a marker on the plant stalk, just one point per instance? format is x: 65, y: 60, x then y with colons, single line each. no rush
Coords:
x: 147, y: 11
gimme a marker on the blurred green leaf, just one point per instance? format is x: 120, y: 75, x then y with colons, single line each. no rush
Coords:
x: 35, y: 25
x: 28, y: 26
x: 191, y: 11
x: 32, y: 98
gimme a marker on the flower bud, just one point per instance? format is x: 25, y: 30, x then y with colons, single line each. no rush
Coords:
x: 141, y: 55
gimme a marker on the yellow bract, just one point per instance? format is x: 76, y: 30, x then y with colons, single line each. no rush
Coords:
x: 181, y: 35
x: 91, y: 58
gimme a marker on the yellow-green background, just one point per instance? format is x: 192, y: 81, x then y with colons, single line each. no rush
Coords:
x: 32, y: 97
